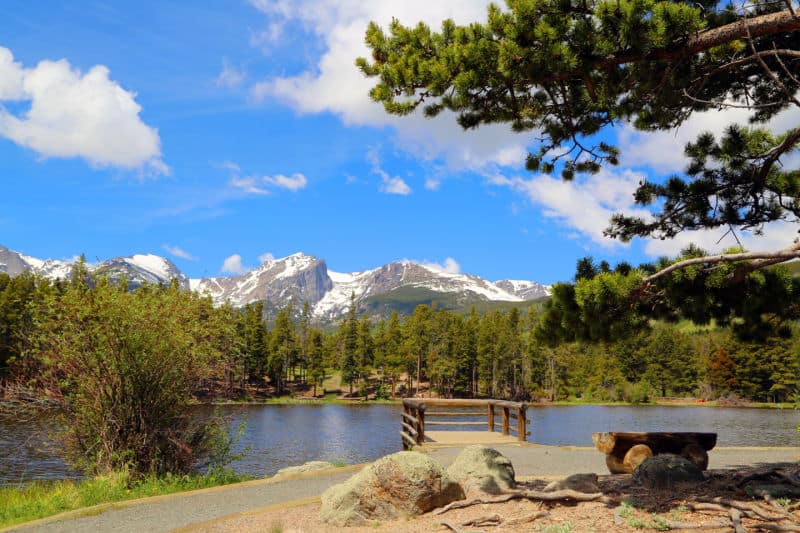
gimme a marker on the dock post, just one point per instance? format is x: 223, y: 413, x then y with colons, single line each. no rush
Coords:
x: 522, y: 430
x: 421, y: 425
x: 505, y: 420
x: 490, y: 415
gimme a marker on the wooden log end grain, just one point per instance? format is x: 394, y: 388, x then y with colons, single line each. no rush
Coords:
x: 636, y: 456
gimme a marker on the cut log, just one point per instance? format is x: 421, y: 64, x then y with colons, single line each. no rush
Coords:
x: 636, y: 456
x: 696, y: 454
x: 604, y: 441
x: 616, y: 446
x: 615, y: 465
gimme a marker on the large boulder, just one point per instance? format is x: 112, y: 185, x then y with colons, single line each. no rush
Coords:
x: 401, y: 484
x: 666, y: 470
x: 481, y: 469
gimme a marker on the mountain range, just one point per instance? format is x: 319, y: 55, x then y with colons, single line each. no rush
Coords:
x: 400, y: 285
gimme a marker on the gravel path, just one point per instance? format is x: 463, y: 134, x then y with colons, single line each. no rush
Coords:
x: 166, y: 513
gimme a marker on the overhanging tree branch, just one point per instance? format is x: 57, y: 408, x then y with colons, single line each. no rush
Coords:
x: 759, y: 260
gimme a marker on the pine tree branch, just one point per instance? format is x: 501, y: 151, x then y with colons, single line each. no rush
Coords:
x: 759, y: 260
x: 770, y: 24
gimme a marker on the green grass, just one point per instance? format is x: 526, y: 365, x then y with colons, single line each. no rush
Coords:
x: 41, y: 499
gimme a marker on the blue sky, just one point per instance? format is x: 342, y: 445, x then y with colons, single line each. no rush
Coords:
x: 216, y: 132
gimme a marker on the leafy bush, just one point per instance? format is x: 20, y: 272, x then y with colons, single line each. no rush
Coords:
x: 123, y: 364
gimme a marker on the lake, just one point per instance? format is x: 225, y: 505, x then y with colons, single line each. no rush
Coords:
x: 285, y: 435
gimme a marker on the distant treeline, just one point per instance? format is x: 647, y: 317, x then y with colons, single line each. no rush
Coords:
x: 228, y: 352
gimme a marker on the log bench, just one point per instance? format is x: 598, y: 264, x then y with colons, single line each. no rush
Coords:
x: 625, y: 451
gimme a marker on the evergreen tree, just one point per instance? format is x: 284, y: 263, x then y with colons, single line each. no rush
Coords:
x: 283, y: 349
x: 568, y: 70
x: 348, y: 333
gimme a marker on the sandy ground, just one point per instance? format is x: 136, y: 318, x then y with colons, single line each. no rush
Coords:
x: 642, y: 510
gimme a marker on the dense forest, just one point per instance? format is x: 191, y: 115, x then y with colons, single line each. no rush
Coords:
x: 233, y: 353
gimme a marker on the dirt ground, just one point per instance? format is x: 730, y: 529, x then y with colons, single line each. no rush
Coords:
x: 629, y: 507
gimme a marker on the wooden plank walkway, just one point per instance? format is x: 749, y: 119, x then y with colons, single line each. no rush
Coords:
x: 465, y: 438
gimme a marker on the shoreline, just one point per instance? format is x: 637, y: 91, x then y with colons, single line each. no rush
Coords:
x: 679, y: 402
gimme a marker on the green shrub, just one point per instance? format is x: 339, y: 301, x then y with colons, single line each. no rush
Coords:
x: 123, y: 364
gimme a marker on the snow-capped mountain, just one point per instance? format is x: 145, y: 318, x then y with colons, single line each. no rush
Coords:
x: 527, y: 290
x: 372, y: 283
x: 301, y: 278
x: 143, y: 268
x: 297, y: 278
x: 137, y: 269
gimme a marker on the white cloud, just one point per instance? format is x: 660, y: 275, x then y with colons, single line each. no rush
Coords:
x: 248, y: 185
x: 334, y: 85
x: 295, y: 182
x: 262, y: 184
x: 433, y: 184
x: 662, y: 151
x: 266, y: 39
x: 75, y: 114
x: 395, y: 185
x: 389, y: 184
x: 230, y: 165
x: 586, y: 205
x: 229, y: 76
x: 233, y: 265
x: 776, y: 236
x: 266, y: 257
x: 179, y: 252
x: 450, y: 265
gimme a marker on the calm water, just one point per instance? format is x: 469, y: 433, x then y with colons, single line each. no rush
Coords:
x: 284, y: 435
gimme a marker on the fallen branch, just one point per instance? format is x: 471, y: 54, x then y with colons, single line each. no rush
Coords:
x: 736, y: 518
x: 687, y: 525
x: 493, y: 520
x: 558, y: 495
x: 748, y: 509
x: 454, y: 529
x: 529, y: 518
x: 775, y: 527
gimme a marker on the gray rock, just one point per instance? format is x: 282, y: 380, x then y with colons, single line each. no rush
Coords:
x: 580, y: 482
x: 398, y: 485
x: 666, y: 470
x: 481, y: 469
x: 307, y: 467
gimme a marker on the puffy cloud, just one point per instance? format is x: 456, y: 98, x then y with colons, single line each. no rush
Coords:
x: 335, y: 86
x: 179, y: 252
x: 233, y: 265
x: 295, y: 182
x: 266, y: 257
x: 586, y: 205
x: 395, y: 185
x: 75, y: 114
x: 229, y: 76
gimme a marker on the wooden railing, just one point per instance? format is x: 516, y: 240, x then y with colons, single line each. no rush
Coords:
x: 416, y: 416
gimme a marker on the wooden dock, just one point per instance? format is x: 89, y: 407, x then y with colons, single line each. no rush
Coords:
x: 488, y: 414
x: 464, y: 438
